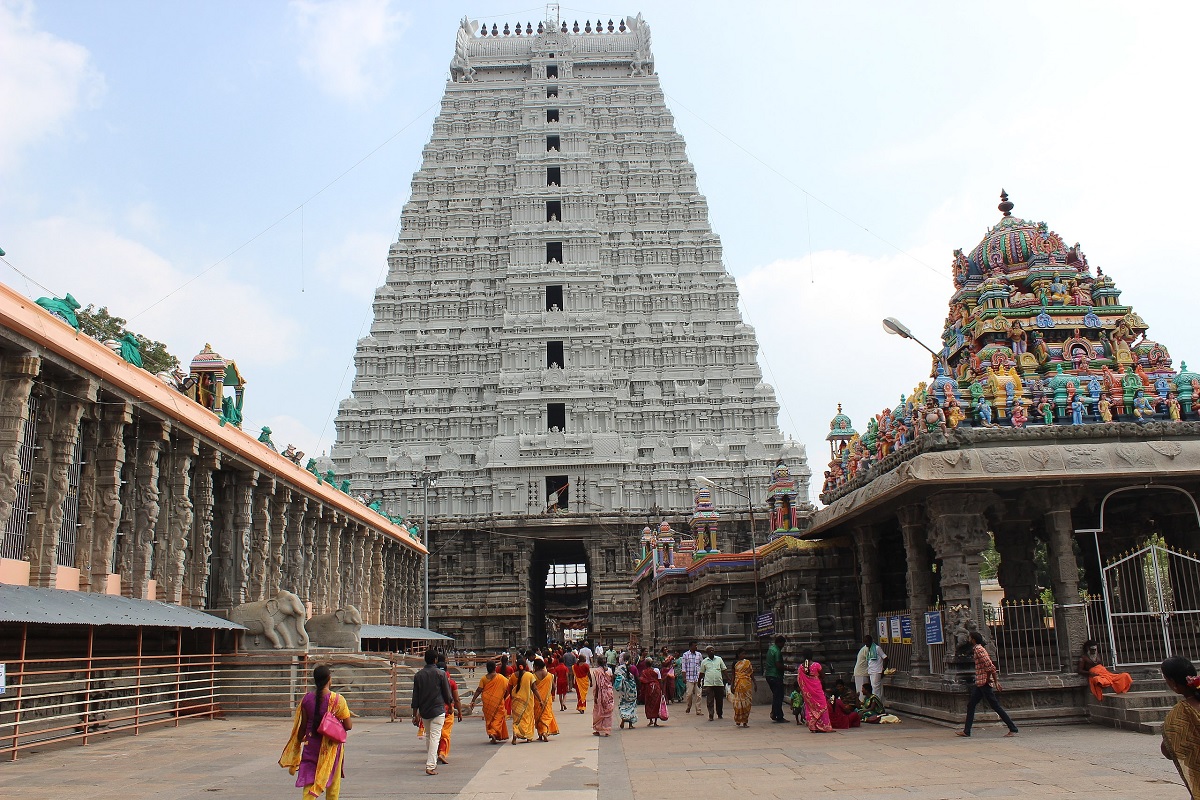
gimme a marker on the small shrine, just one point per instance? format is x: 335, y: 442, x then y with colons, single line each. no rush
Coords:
x: 210, y: 374
x: 782, y: 497
x: 704, y: 522
x: 1033, y: 337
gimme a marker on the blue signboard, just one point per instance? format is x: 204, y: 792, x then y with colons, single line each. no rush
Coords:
x: 764, y: 625
x: 933, y: 628
x: 906, y: 629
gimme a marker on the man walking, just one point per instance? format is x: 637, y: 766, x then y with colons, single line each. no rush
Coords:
x: 690, y: 662
x: 712, y: 681
x: 986, y: 677
x: 430, y: 696
x: 773, y: 670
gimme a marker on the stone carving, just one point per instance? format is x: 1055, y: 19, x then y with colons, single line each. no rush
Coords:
x: 294, y: 568
x: 202, y: 526
x: 146, y: 509
x: 15, y: 387
x: 170, y: 565
x: 337, y: 629
x: 377, y: 585
x: 280, y: 620
x: 1132, y: 455
x: 242, y: 520
x: 279, y: 520
x: 1084, y: 457
x: 1169, y: 449
x: 1001, y: 461
x: 110, y: 459
x: 260, y: 551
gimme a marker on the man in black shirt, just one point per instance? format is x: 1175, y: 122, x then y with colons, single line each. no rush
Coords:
x: 431, y: 694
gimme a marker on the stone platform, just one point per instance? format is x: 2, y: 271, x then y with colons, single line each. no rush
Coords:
x: 688, y: 757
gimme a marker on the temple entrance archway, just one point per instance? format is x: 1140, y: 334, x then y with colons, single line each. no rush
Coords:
x: 560, y: 591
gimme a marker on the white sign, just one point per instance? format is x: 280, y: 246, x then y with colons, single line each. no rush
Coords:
x: 2, y: 684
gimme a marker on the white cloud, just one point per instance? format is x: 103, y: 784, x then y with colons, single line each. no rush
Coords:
x: 44, y: 80
x: 98, y: 265
x: 822, y: 342
x: 349, y: 46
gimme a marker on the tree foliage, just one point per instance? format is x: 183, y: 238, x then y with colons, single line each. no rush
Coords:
x: 100, y: 324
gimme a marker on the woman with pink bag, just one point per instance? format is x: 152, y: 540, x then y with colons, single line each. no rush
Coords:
x: 314, y: 752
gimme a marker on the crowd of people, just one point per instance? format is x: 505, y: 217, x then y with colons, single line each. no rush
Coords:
x: 521, y: 691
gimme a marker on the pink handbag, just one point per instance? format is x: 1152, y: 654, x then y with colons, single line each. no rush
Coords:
x: 331, y: 726
x: 662, y: 708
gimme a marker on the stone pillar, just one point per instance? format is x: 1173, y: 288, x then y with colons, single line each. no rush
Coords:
x: 170, y: 565
x: 1071, y: 618
x: 870, y: 590
x: 16, y: 384
x: 308, y: 576
x: 260, y: 538
x: 279, y: 520
x: 224, y: 548
x: 110, y: 460
x: 200, y: 552
x: 86, y: 528
x: 242, y: 534
x: 958, y: 532
x: 58, y: 431
x: 333, y: 564
x: 354, y: 568
x: 1015, y: 543
x: 294, y: 565
x: 323, y: 602
x: 919, y: 579
x: 376, y: 587
x: 152, y: 436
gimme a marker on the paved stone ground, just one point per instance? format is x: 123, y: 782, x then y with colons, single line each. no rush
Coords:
x: 688, y: 756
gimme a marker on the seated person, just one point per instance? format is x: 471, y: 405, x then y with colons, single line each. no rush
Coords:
x: 797, y: 701
x: 842, y: 715
x: 872, y: 707
x: 1098, y: 675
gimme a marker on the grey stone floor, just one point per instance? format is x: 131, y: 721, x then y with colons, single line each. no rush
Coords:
x: 688, y: 757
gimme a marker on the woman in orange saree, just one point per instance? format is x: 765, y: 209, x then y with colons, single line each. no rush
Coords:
x: 543, y: 701
x: 493, y: 686
x: 583, y: 682
x: 520, y: 695
x: 1098, y: 675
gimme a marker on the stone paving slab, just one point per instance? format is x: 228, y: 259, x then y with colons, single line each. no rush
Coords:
x: 236, y: 758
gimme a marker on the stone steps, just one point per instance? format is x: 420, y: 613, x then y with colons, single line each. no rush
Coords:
x: 1142, y: 711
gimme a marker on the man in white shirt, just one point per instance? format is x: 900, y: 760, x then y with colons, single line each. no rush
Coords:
x: 712, y: 681
x: 871, y: 662
x: 690, y: 662
x: 585, y: 652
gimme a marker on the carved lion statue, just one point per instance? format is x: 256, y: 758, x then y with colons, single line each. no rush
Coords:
x: 280, y: 620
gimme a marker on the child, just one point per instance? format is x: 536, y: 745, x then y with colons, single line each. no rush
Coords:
x: 797, y: 701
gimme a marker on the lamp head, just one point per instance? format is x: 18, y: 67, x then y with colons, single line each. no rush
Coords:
x: 703, y: 481
x: 896, y: 327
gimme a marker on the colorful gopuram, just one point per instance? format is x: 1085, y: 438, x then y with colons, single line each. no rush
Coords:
x: 1033, y: 337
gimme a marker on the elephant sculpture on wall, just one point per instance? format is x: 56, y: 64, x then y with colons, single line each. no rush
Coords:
x: 279, y: 619
x: 339, y: 629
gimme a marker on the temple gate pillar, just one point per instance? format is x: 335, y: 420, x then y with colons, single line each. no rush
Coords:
x: 17, y: 374
x: 49, y: 483
x: 870, y: 590
x: 152, y: 437
x: 221, y: 578
x: 85, y: 529
x: 333, y: 562
x: 260, y: 538
x: 170, y: 564
x: 919, y: 578
x: 279, y: 520
x: 959, y: 535
x: 294, y: 564
x: 1015, y: 542
x: 346, y: 566
x: 308, y: 575
x: 200, y: 552
x: 375, y: 591
x: 355, y: 593
x: 106, y: 517
x: 1071, y: 615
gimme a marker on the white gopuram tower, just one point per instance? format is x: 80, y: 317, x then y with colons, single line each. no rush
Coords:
x: 558, y: 343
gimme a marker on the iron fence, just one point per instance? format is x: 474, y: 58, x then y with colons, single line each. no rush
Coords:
x: 57, y: 700
x: 1025, y: 637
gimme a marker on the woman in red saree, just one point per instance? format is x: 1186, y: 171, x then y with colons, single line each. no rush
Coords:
x: 562, y: 682
x: 650, y: 682
x: 816, y: 707
x: 605, y: 699
x: 1098, y: 675
x: 493, y: 686
x: 668, y: 675
x: 583, y: 677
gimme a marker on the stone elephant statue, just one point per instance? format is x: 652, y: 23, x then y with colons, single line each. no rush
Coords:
x: 280, y: 619
x: 339, y: 629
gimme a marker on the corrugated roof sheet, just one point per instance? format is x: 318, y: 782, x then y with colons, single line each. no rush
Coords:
x: 399, y: 632
x: 60, y: 607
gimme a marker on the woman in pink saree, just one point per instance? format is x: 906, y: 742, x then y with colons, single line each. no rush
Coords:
x: 816, y: 706
x: 605, y: 698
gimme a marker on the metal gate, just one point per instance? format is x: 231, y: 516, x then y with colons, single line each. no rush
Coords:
x: 1153, y: 601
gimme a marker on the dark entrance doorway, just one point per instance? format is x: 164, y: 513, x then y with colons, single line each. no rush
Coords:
x: 560, y: 590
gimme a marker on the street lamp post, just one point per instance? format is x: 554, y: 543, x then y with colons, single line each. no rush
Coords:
x: 898, y: 328
x: 424, y: 480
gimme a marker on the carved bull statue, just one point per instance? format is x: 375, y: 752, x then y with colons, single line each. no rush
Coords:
x: 339, y: 629
x: 280, y: 620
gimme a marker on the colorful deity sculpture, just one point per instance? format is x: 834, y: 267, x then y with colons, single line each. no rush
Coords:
x: 665, y: 549
x: 781, y: 499
x: 704, y: 522
x: 649, y: 541
x: 1019, y: 417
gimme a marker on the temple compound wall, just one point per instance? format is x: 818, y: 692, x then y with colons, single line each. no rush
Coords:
x: 114, y: 482
x: 557, y: 350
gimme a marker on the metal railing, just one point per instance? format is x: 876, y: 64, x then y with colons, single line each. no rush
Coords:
x: 1025, y: 636
x: 57, y: 700
x: 899, y: 654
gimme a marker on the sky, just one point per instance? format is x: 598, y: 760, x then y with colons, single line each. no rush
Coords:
x: 232, y: 173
